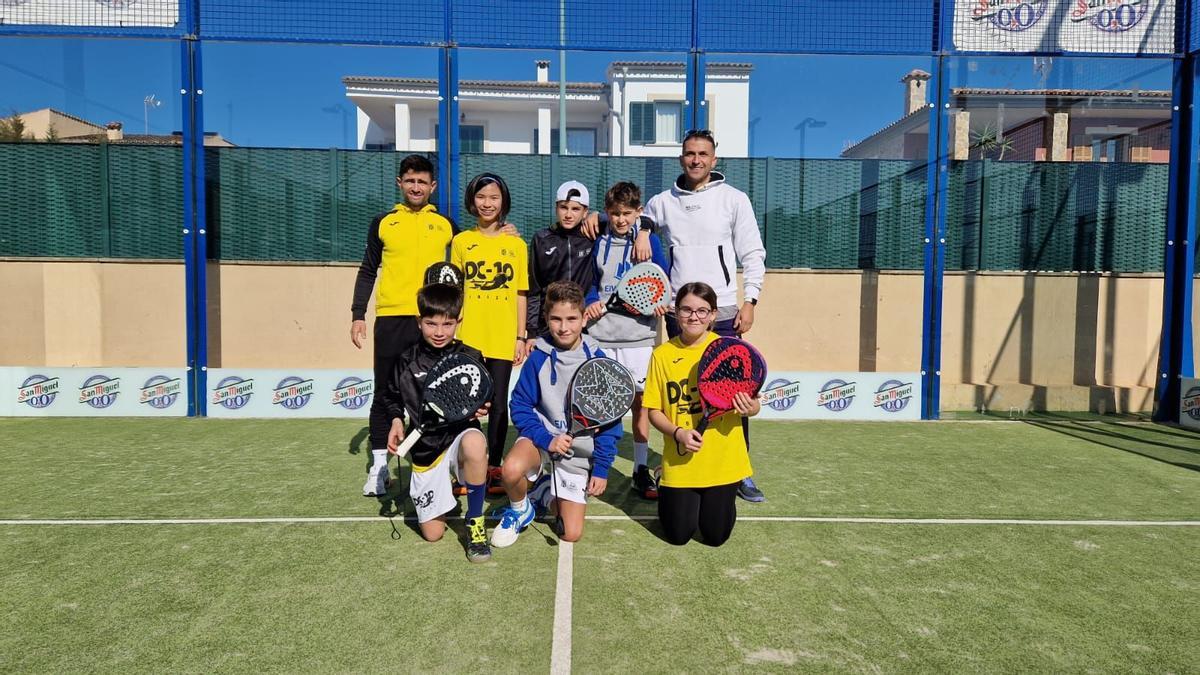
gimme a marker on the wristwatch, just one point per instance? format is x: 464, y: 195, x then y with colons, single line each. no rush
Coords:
x: 754, y: 301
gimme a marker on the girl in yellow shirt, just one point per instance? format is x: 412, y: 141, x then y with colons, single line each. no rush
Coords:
x: 701, y: 473
x: 495, y: 278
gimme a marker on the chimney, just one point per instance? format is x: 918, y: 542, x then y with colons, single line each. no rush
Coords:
x: 114, y: 131
x: 543, y: 70
x: 915, y: 85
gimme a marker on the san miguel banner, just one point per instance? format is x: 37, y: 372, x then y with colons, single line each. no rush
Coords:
x: 250, y: 392
x: 93, y: 392
x: 1088, y: 26
x: 792, y: 395
x: 132, y: 13
x: 1189, y: 403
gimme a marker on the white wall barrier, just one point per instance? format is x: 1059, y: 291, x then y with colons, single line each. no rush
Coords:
x: 1189, y: 402
x: 250, y: 392
x: 93, y: 392
x: 793, y: 395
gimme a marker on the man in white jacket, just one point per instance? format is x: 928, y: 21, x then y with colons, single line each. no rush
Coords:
x: 708, y: 227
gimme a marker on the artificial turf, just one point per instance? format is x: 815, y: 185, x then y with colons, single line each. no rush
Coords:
x: 348, y: 596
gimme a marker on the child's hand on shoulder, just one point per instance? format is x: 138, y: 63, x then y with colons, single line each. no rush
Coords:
x: 510, y: 229
x: 747, y: 405
x: 641, y: 246
x: 561, y: 445
x: 597, y: 486
x: 594, y: 311
x: 590, y: 227
x: 521, y: 351
x: 482, y: 412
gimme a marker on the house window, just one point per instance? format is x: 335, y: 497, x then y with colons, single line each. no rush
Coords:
x: 470, y: 137
x: 655, y: 122
x: 580, y: 142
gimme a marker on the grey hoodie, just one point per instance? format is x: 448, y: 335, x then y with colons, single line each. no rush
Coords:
x: 539, y: 402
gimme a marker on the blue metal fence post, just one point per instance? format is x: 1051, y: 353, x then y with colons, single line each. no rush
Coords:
x: 445, y: 195
x: 195, y: 241
x: 1175, y: 359
x: 694, y: 72
x: 450, y: 180
x: 934, y: 241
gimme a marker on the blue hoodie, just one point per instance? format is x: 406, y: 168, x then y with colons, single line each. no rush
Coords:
x: 539, y: 402
x: 612, y: 254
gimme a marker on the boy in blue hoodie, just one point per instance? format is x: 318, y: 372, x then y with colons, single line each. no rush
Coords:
x: 539, y: 412
x: 629, y: 340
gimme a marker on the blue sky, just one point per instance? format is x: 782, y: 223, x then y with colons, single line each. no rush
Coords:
x: 291, y: 95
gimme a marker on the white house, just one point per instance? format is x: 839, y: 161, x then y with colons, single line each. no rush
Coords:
x: 636, y: 112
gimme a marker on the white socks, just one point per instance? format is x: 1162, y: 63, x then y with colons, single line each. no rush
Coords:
x: 641, y: 454
x: 379, y: 462
x: 521, y: 506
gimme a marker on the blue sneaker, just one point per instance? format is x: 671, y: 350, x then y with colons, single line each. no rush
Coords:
x: 540, y: 495
x: 511, y: 525
x: 749, y: 491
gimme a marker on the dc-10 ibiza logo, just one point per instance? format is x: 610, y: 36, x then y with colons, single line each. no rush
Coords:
x: 836, y: 395
x: 160, y: 392
x: 233, y: 392
x: 353, y: 393
x: 893, y: 396
x: 781, y: 394
x: 1110, y: 16
x: 1190, y: 403
x: 100, y: 391
x: 38, y: 391
x: 1010, y: 15
x: 292, y: 393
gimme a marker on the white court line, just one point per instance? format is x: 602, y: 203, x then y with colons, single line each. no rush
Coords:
x: 284, y: 520
x: 560, y: 650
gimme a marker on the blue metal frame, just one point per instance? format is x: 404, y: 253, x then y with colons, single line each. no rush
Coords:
x: 194, y: 246
x: 1175, y: 358
x: 937, y: 174
x: 445, y: 196
x: 451, y: 125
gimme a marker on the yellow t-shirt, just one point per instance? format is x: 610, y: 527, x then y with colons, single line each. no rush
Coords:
x: 494, y: 269
x: 412, y: 241
x: 671, y: 388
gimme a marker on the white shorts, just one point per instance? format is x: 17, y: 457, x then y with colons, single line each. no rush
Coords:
x: 636, y: 359
x: 570, y: 475
x: 430, y: 487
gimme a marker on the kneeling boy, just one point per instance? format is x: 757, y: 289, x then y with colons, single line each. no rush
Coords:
x: 539, y: 411
x: 459, y: 449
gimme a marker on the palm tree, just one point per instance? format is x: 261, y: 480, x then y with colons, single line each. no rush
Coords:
x: 988, y: 141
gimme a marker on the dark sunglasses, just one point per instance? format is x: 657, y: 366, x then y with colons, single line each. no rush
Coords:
x: 698, y: 133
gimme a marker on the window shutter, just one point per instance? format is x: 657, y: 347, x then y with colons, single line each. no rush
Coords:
x: 641, y: 123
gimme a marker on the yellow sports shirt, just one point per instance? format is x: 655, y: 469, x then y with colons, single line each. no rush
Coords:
x: 671, y: 388
x: 412, y: 241
x: 494, y: 269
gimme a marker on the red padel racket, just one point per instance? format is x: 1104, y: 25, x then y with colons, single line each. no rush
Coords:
x: 729, y: 366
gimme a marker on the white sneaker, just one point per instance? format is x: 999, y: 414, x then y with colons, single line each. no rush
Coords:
x: 376, y: 485
x: 511, y: 525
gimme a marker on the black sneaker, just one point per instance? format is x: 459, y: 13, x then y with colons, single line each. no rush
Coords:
x: 749, y: 491
x: 478, y: 549
x: 644, y: 483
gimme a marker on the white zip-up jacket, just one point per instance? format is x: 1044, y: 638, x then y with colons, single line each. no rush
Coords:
x: 707, y: 233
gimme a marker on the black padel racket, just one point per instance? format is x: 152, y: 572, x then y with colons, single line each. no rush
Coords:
x: 644, y: 288
x: 601, y: 393
x: 455, y: 388
x: 444, y: 273
x: 729, y: 366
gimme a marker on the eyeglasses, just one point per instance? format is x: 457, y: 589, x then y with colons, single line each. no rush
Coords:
x: 687, y: 313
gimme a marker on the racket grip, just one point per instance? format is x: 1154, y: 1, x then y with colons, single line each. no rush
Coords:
x: 702, y: 425
x: 409, y: 441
